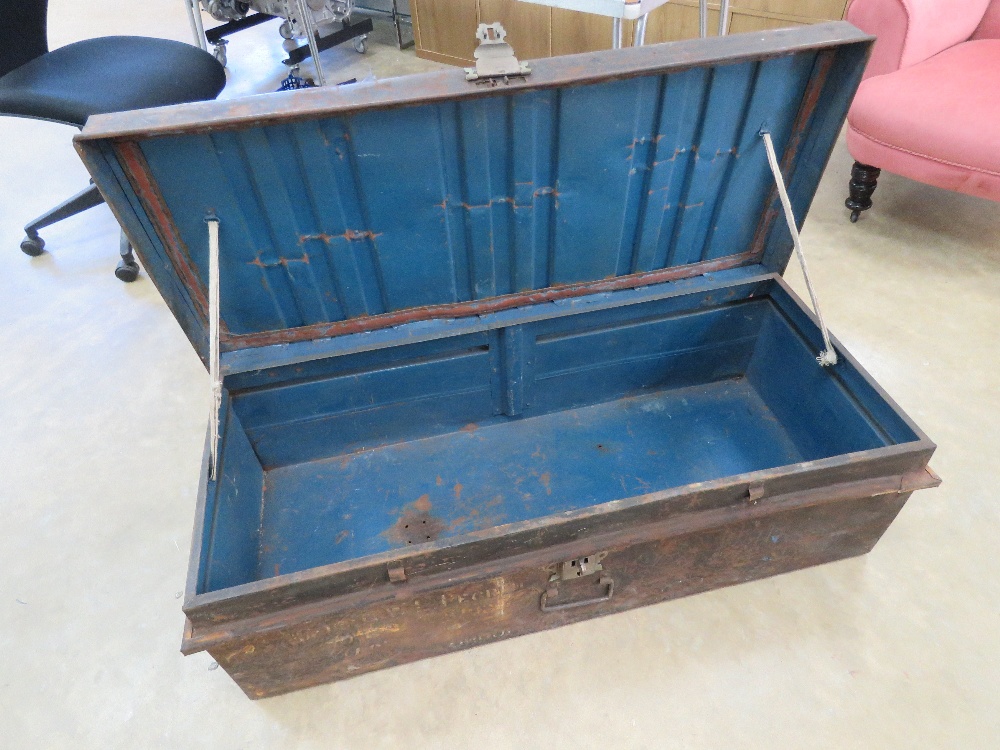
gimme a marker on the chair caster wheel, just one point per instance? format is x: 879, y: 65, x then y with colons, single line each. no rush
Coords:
x: 127, y: 271
x: 219, y: 52
x: 855, y: 215
x: 32, y: 246
x: 360, y: 46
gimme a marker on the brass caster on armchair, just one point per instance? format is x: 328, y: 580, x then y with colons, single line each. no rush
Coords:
x: 864, y: 180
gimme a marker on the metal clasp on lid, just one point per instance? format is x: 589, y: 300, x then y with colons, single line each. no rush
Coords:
x: 495, y: 58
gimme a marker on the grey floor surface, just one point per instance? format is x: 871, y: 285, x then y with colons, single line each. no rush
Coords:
x: 103, y: 408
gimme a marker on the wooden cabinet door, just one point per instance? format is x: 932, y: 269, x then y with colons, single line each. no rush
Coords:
x: 574, y: 32
x: 529, y: 26
x: 812, y: 9
x: 445, y: 30
x: 742, y: 23
x: 674, y: 21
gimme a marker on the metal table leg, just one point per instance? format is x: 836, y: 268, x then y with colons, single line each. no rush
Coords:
x: 310, y: 28
x: 640, y: 31
x: 395, y: 22
x: 640, y: 26
x: 723, y: 18
x: 197, y: 27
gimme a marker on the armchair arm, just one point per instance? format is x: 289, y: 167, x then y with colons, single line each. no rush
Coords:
x: 989, y: 27
x: 910, y: 31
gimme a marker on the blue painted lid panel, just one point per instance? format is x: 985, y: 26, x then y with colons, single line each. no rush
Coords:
x: 348, y: 211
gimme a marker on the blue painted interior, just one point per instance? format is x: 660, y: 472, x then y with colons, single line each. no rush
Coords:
x: 373, y: 211
x: 340, y: 509
x: 235, y: 510
x: 535, y: 418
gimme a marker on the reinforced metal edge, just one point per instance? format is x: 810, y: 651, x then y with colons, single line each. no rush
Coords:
x: 208, y: 636
x: 450, y: 84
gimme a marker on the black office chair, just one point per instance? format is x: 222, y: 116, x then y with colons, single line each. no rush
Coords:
x: 107, y: 74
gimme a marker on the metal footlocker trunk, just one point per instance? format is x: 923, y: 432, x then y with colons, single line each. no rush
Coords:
x: 497, y: 358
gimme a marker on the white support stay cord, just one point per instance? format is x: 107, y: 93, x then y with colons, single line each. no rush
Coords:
x: 213, y: 336
x: 828, y: 356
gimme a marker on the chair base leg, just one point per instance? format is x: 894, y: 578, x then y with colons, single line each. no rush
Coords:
x: 128, y: 269
x: 864, y: 180
x: 86, y: 198
x: 32, y: 244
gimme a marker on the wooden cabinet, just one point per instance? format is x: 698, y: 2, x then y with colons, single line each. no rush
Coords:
x: 580, y: 32
x: 533, y: 24
x: 814, y: 9
x: 742, y: 23
x: 675, y: 21
x: 444, y: 30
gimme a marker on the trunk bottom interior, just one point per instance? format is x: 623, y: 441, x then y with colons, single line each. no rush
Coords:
x: 407, y: 493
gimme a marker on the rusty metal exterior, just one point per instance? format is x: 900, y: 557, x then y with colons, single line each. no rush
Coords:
x: 688, y: 553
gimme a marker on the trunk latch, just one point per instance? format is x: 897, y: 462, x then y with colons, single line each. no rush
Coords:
x: 579, y: 567
x: 495, y: 60
x: 577, y: 595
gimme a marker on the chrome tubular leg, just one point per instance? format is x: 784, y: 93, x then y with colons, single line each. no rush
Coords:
x: 197, y: 27
x: 395, y: 22
x: 199, y: 24
x: 703, y: 18
x: 616, y: 33
x: 189, y: 4
x: 310, y: 28
x: 640, y: 31
x: 724, y: 18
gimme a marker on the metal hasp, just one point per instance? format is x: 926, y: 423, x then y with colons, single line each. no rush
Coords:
x: 494, y: 57
x: 579, y: 567
x: 570, y: 570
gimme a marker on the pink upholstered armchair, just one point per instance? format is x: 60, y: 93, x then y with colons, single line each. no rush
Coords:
x: 929, y: 105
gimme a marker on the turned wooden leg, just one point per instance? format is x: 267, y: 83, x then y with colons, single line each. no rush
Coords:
x: 864, y: 180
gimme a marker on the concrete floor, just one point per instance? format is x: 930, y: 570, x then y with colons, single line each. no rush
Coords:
x: 102, y: 417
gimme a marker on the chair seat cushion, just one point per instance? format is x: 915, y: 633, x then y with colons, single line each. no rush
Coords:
x: 945, y: 109
x: 110, y: 74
